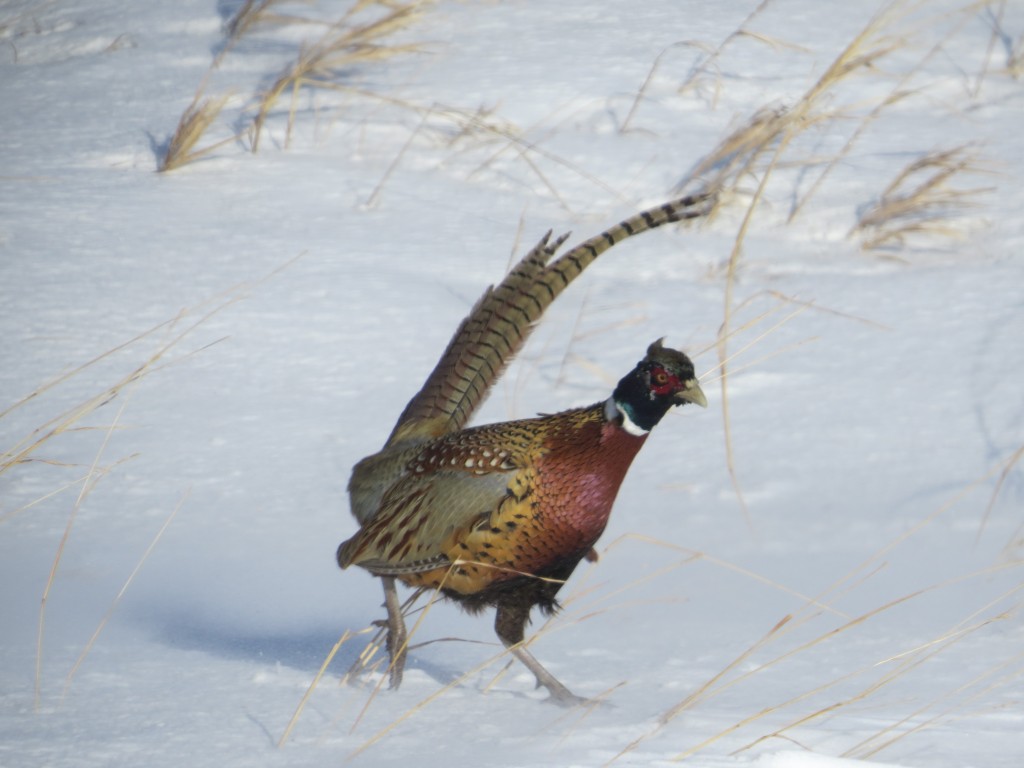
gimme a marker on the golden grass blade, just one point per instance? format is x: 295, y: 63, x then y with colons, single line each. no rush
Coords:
x: 730, y: 282
x: 259, y: 13
x: 63, y: 423
x: 362, y: 663
x: 1009, y: 465
x: 918, y: 200
x: 642, y: 90
x: 755, y: 341
x: 87, y: 486
x: 194, y: 123
x: 57, y: 491
x: 739, y: 32
x: 73, y: 372
x: 900, y: 90
x: 504, y: 653
x: 707, y: 378
x: 371, y: 201
x: 721, y: 681
x: 908, y: 661
x: 912, y: 530
x: 435, y: 595
x: 25, y: 447
x: 692, y: 556
x: 344, y: 45
x: 515, y: 141
x: 312, y: 686
x: 686, y: 702
x: 423, y: 703
x: 117, y: 599
x: 829, y: 635
x: 865, y: 750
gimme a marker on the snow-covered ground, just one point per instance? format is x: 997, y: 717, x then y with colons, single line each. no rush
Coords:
x: 253, y: 324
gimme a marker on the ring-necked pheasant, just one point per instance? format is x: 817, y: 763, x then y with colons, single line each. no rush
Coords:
x: 502, y: 514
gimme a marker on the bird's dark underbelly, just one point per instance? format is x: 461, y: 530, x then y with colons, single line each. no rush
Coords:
x: 521, y: 589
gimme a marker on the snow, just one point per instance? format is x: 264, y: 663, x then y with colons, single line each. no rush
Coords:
x: 857, y: 599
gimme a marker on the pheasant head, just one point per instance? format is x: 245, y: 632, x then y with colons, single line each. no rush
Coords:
x: 663, y: 379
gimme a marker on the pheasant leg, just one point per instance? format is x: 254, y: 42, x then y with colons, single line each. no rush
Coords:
x: 398, y: 640
x: 559, y: 693
x: 510, y: 625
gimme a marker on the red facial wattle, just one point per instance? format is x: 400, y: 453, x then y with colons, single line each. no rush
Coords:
x: 663, y: 383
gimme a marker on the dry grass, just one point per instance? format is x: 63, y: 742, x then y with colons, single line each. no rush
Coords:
x: 759, y: 659
x: 512, y: 140
x: 194, y: 123
x: 328, y: 62
x: 322, y: 64
x: 71, y: 420
x: 114, y: 603
x: 1007, y: 51
x: 754, y: 149
x: 704, y: 77
x: 742, y: 165
x: 255, y: 14
x: 760, y: 146
x: 922, y: 200
x: 202, y: 112
x: 167, y: 338
x: 68, y: 421
x: 1015, y: 58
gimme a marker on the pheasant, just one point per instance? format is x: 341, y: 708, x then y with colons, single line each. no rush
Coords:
x: 500, y: 515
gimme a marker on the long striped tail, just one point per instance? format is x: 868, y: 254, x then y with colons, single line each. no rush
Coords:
x: 504, y: 316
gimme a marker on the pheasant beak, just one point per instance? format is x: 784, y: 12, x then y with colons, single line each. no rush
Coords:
x: 691, y: 393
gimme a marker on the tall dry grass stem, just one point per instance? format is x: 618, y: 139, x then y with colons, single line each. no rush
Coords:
x: 67, y: 422
x: 117, y: 599
x: 194, y: 123
x: 86, y: 488
x: 703, y: 71
x: 904, y: 662
x: 346, y: 635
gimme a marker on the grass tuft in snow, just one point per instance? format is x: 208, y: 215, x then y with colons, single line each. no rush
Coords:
x: 921, y: 200
x: 194, y: 123
x: 323, y: 64
x: 357, y: 39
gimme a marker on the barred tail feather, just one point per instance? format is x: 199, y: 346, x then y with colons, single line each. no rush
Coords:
x: 503, y: 318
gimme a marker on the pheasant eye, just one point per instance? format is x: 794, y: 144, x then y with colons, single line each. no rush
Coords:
x: 659, y: 376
